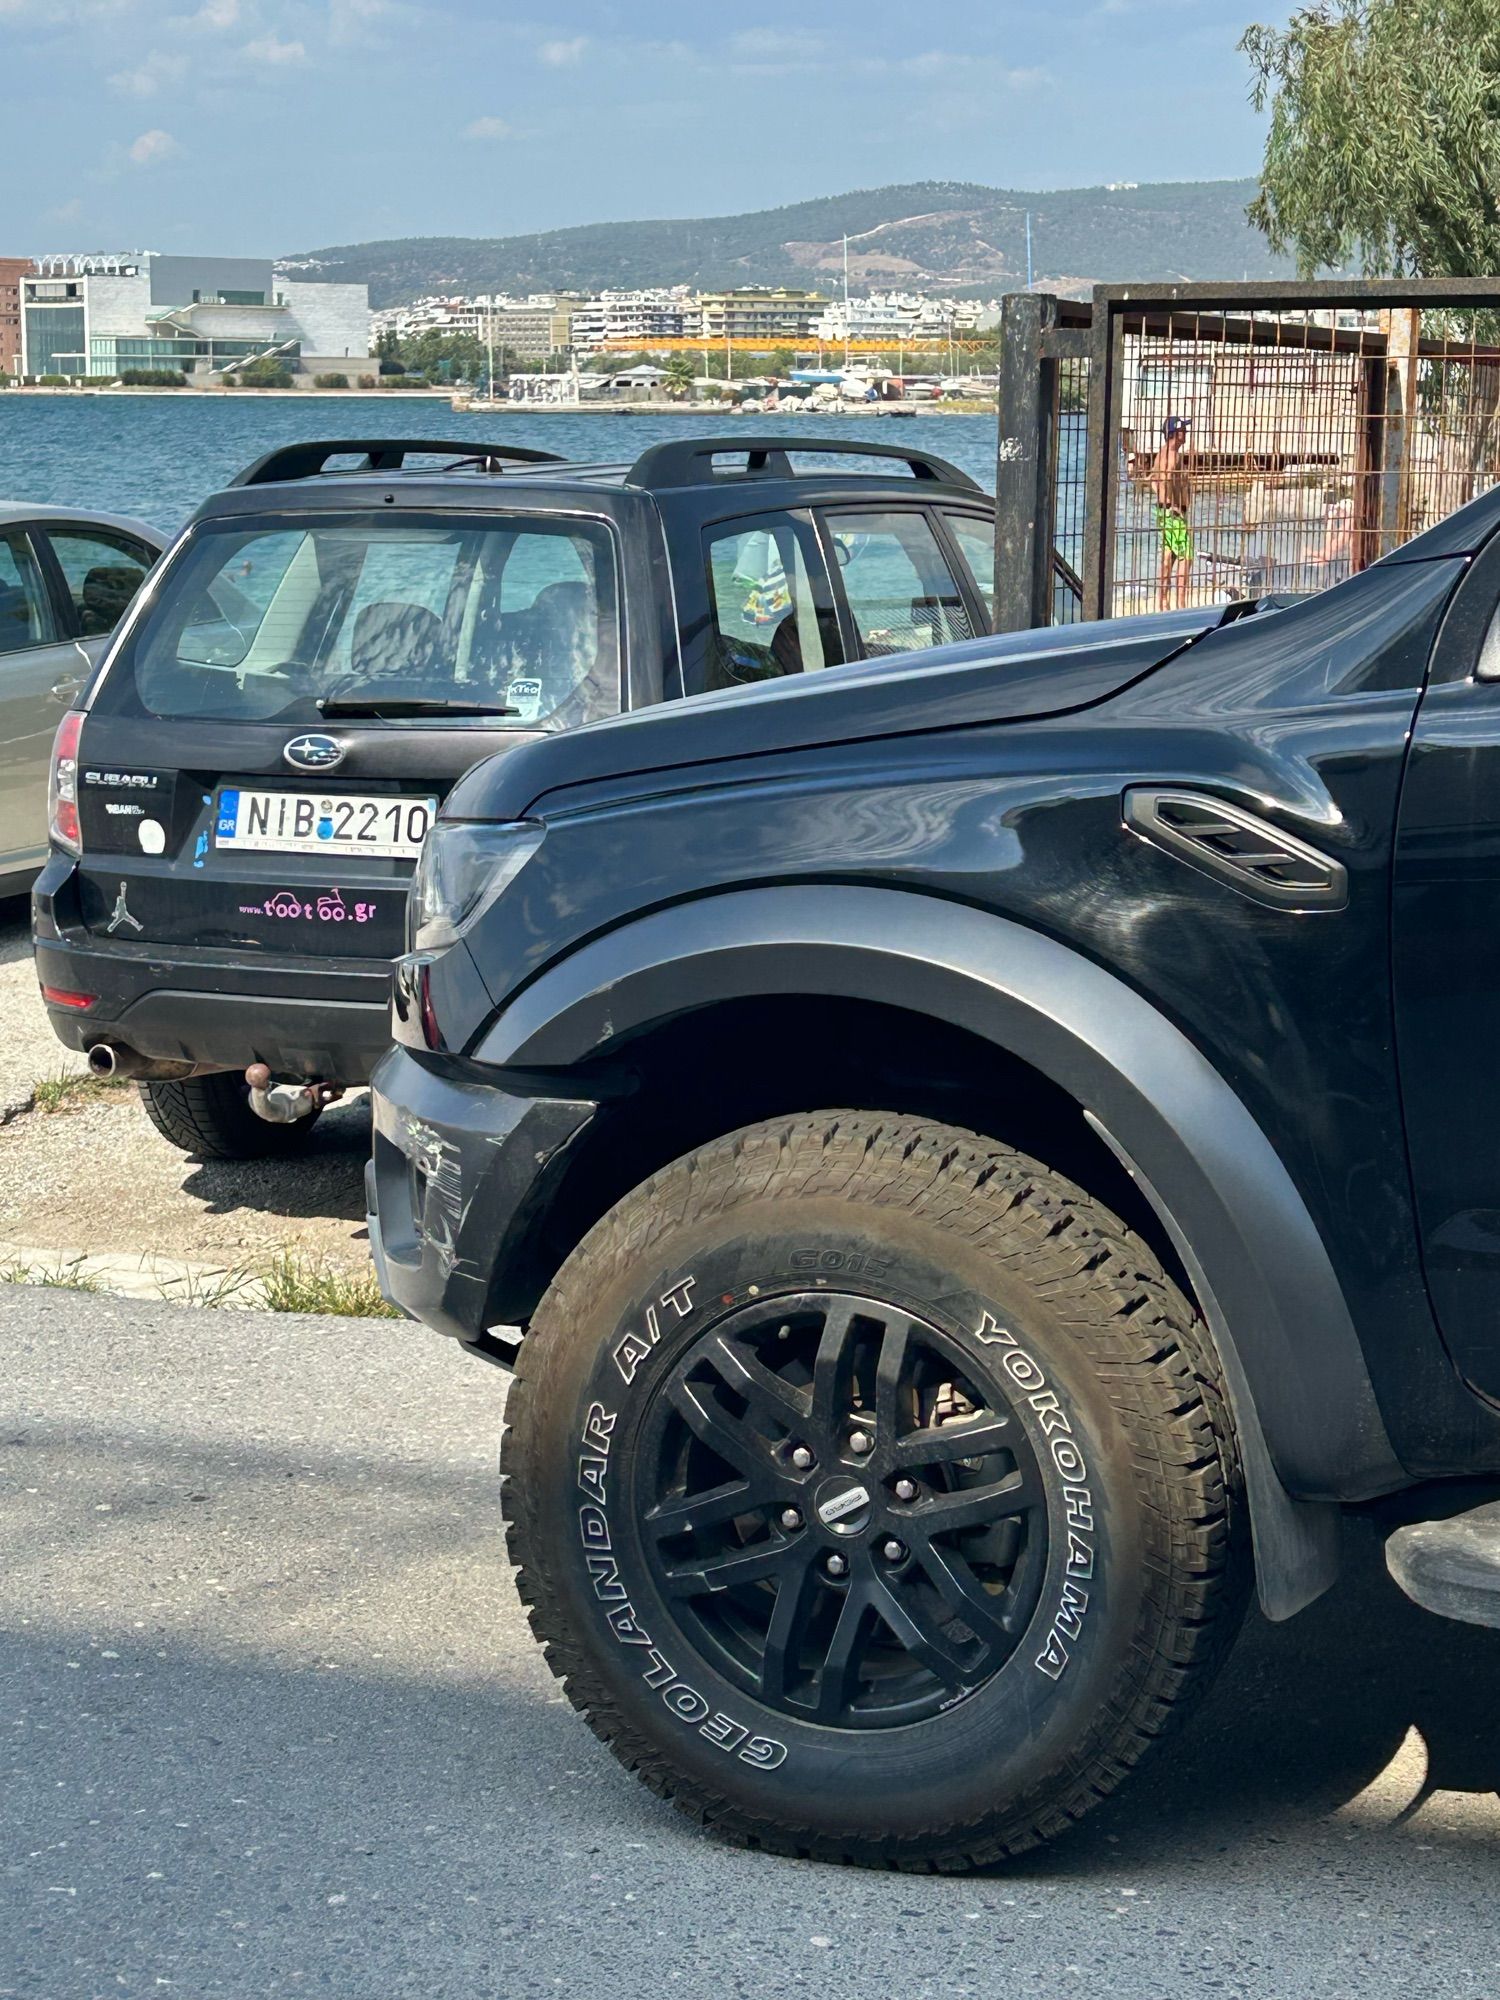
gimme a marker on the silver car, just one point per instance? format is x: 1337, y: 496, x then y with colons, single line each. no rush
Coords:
x: 66, y: 577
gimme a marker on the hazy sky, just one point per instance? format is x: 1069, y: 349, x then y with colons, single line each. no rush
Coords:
x: 270, y: 126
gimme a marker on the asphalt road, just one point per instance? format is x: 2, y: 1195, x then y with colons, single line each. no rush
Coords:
x: 273, y: 1725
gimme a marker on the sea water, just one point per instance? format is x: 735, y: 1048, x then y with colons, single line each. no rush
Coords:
x: 157, y: 456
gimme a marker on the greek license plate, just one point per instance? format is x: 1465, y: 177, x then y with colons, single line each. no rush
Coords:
x: 307, y: 823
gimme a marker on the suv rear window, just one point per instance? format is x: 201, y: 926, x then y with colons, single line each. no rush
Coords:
x: 259, y: 623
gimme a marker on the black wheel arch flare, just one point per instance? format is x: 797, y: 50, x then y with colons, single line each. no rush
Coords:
x: 1301, y: 1390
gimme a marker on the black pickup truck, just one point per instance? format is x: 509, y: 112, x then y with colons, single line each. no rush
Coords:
x: 331, y: 642
x: 974, y: 1167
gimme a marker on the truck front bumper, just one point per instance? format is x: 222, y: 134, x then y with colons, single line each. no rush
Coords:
x: 456, y: 1188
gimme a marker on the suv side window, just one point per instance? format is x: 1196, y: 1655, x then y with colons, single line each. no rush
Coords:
x: 976, y: 544
x: 25, y: 619
x: 900, y: 590
x: 103, y: 572
x: 768, y: 599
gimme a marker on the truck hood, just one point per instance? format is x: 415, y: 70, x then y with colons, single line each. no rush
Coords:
x: 1014, y: 677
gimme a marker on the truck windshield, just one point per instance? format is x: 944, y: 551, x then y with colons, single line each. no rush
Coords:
x: 515, y: 617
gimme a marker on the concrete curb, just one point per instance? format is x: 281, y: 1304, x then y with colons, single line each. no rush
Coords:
x: 133, y: 1275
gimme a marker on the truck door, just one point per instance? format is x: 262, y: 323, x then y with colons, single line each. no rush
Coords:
x: 1446, y: 966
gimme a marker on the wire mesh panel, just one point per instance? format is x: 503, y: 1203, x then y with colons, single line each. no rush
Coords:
x: 1070, y: 434
x: 1278, y: 450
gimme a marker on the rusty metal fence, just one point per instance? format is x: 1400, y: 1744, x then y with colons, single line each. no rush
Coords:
x: 1204, y: 444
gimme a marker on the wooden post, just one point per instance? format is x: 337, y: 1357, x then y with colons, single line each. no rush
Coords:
x: 1403, y: 330
x: 1023, y: 528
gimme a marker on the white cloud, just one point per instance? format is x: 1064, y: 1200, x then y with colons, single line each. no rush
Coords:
x: 275, y: 53
x: 153, y: 147
x: 214, y: 16
x: 65, y: 211
x: 150, y: 75
x: 353, y: 21
x: 487, y: 128
x: 558, y: 54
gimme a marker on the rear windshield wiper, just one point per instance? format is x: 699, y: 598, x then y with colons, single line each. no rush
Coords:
x: 408, y: 704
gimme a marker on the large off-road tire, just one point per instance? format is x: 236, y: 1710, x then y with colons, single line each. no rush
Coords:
x: 873, y: 1492
x: 210, y: 1118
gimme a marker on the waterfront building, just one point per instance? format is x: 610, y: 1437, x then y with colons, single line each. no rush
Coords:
x: 757, y: 312
x: 530, y: 330
x: 12, y: 270
x: 101, y: 315
x: 633, y: 319
x: 891, y: 318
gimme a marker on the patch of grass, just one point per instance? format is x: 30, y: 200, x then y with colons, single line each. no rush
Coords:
x: 208, y: 1288
x: 73, y: 1087
x: 309, y: 1285
x: 66, y: 1275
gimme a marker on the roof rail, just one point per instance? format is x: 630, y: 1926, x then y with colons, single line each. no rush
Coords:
x: 689, y: 461
x: 308, y: 459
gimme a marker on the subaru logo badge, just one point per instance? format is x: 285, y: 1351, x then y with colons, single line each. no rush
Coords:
x: 314, y: 752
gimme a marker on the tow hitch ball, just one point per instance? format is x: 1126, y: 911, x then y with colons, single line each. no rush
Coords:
x: 285, y: 1103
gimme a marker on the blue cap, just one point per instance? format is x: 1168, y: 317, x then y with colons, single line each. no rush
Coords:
x: 1176, y: 426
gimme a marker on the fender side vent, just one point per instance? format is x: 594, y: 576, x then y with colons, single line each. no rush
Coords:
x: 1238, y: 848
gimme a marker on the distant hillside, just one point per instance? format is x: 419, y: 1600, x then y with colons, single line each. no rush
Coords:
x: 937, y: 235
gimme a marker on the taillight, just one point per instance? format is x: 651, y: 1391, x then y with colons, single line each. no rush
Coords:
x: 432, y: 1034
x: 62, y: 996
x: 62, y: 784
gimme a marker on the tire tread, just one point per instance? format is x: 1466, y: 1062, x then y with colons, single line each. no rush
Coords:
x: 1150, y: 1351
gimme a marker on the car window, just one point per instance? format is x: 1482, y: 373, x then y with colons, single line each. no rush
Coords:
x: 103, y: 571
x: 772, y: 614
x: 900, y: 591
x: 976, y: 544
x: 263, y: 622
x: 25, y: 617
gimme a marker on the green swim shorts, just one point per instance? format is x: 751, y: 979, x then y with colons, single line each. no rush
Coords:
x: 1176, y: 535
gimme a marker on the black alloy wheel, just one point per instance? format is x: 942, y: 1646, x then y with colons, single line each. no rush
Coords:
x: 842, y: 1509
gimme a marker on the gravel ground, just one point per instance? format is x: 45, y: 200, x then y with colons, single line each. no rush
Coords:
x: 274, y: 1724
x: 98, y: 1177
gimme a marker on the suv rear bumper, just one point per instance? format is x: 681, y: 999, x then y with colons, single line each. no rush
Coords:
x: 322, y: 1040
x: 222, y: 1009
x: 458, y: 1176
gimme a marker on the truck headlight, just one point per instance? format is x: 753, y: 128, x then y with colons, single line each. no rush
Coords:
x: 463, y: 867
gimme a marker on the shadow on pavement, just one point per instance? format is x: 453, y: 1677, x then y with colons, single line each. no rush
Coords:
x: 1307, y: 1715
x: 326, y: 1178
x: 234, y: 1826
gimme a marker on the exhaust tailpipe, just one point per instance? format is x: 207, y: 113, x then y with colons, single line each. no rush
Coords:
x: 109, y: 1059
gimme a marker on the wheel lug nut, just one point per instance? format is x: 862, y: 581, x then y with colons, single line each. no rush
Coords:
x: 835, y: 1565
x: 790, y: 1518
x: 906, y: 1489
x: 802, y: 1458
x: 860, y: 1441
x: 893, y: 1551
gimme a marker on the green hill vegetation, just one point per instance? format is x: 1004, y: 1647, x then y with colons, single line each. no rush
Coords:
x: 950, y: 236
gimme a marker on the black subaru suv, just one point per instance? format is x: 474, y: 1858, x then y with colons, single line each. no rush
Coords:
x: 237, y: 804
x: 973, y: 1167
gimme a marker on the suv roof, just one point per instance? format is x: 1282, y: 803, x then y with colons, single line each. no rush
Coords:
x: 677, y: 465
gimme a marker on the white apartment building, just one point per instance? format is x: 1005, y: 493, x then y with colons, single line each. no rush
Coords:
x: 892, y: 317
x: 633, y: 319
